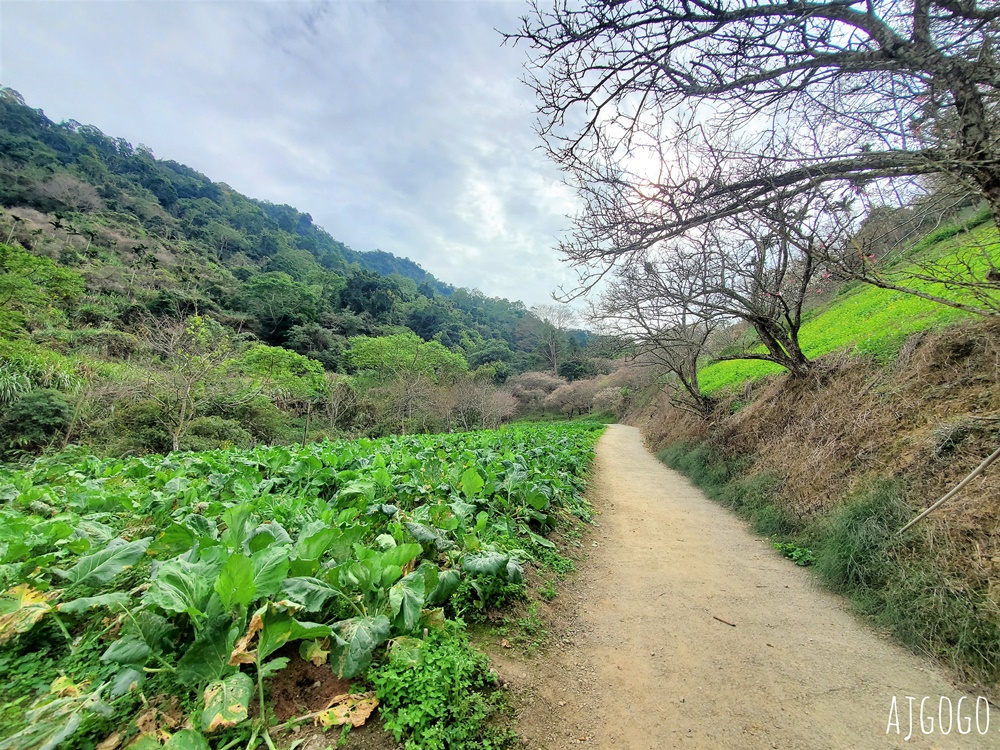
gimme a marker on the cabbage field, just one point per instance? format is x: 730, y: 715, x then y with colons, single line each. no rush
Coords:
x: 191, y: 580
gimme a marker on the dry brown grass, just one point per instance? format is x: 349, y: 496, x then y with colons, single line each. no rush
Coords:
x: 928, y: 419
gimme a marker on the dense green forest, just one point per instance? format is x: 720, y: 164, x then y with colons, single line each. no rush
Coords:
x: 144, y: 307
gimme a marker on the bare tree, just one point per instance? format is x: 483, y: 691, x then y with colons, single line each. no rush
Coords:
x: 674, y: 114
x: 502, y: 408
x: 72, y: 192
x: 407, y: 403
x: 545, y: 330
x: 530, y: 388
x: 476, y: 405
x: 758, y: 268
x: 194, y: 357
x: 573, y: 398
x: 341, y: 400
x: 662, y: 330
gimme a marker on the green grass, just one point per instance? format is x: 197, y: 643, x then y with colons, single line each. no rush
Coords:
x: 450, y: 702
x: 892, y: 580
x: 866, y: 320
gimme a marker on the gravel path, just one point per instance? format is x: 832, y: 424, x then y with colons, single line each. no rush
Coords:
x: 683, y: 629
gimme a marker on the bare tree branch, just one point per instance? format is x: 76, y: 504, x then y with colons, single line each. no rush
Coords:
x: 668, y: 116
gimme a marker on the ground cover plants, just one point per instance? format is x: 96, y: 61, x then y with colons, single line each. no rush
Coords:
x: 151, y: 601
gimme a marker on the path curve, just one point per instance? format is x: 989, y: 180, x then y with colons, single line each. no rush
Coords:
x: 644, y: 663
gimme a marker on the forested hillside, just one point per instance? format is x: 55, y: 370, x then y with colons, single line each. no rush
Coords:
x: 145, y: 307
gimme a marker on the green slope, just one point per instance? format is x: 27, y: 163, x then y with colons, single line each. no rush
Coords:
x: 866, y: 320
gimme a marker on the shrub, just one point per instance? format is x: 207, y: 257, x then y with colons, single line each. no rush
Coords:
x: 34, y: 420
x: 107, y: 342
x: 209, y: 433
x: 860, y: 544
x: 264, y: 421
x: 475, y: 598
x: 94, y: 314
x: 132, y: 428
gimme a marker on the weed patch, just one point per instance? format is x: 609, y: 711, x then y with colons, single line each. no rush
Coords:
x: 548, y: 591
x: 801, y: 556
x: 533, y: 632
x: 888, y: 579
x: 449, y: 701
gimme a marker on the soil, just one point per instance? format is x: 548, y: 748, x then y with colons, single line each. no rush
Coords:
x: 302, y: 688
x: 683, y: 629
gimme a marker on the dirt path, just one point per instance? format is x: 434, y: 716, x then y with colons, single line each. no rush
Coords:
x: 643, y: 663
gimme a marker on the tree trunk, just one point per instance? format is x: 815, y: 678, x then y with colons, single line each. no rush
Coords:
x: 181, y: 420
x: 975, y: 138
x: 783, y: 349
x: 992, y: 193
x: 305, y: 430
x: 73, y: 418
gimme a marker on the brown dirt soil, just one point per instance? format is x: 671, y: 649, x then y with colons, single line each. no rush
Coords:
x: 684, y: 630
x: 302, y: 688
x: 369, y: 737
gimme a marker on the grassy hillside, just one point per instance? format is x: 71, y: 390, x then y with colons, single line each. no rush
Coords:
x: 166, y: 238
x: 145, y: 307
x: 867, y: 320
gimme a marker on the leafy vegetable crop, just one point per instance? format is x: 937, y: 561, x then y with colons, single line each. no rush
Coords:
x: 198, y: 569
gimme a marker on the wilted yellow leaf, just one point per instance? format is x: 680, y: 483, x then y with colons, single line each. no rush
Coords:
x: 23, y: 607
x: 241, y: 654
x: 353, y: 709
x: 155, y: 722
x: 226, y: 702
x: 64, y: 687
x: 111, y: 741
x: 433, y: 618
x: 315, y: 652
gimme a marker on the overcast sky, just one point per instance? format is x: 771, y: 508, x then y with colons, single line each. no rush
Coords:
x: 401, y: 126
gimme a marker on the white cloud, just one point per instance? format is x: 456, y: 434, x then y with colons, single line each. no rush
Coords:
x: 400, y: 126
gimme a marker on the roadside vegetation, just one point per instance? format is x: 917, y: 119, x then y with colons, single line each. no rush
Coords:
x: 897, y: 581
x: 154, y: 601
x: 903, y: 404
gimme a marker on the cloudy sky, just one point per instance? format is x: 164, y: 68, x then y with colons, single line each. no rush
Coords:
x: 399, y: 125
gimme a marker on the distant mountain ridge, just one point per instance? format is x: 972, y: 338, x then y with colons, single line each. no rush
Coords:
x: 169, y: 182
x: 147, y: 236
